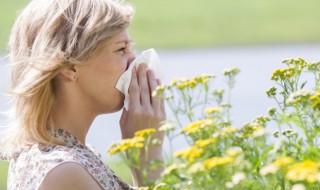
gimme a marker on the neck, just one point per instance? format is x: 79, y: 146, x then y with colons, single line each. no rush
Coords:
x: 72, y: 115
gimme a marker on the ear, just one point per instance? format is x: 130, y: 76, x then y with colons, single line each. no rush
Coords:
x: 69, y: 73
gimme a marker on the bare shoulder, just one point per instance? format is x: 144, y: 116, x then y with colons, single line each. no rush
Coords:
x: 69, y: 176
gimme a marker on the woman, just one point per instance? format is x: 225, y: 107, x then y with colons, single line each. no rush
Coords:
x: 67, y: 56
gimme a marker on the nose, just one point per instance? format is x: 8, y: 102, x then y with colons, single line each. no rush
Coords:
x: 130, y: 59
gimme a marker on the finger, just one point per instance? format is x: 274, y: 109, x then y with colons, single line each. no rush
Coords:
x: 134, y: 92
x: 123, y: 118
x: 162, y: 106
x: 155, y: 101
x: 143, y: 85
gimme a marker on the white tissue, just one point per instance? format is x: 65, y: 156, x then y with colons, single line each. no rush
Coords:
x: 150, y: 58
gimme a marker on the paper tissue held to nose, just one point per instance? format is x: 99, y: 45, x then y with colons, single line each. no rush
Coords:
x: 150, y: 58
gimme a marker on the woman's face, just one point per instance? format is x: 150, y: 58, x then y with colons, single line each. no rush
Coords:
x: 97, y: 78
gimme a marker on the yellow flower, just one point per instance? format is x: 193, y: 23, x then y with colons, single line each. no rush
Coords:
x: 212, y: 110
x: 174, y: 82
x: 144, y: 133
x: 282, y: 74
x: 217, y: 161
x: 283, y: 161
x: 315, y: 99
x: 304, y: 171
x: 183, y: 80
x: 197, y: 126
x: 158, y: 91
x: 189, y: 153
x: 182, y: 86
x: 114, y: 148
x: 276, y: 165
x: 203, y: 143
x: 125, y: 144
x: 203, y: 78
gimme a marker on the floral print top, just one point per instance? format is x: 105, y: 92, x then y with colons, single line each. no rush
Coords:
x: 29, y: 167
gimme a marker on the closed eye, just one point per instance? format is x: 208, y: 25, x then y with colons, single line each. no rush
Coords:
x: 122, y: 49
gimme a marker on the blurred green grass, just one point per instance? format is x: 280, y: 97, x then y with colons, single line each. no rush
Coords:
x: 115, y: 164
x: 3, y: 175
x: 190, y: 23
x: 194, y: 23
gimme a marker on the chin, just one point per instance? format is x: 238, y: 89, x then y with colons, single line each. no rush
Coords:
x: 116, y: 108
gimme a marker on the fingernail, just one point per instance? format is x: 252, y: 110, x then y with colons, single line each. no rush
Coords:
x: 144, y: 65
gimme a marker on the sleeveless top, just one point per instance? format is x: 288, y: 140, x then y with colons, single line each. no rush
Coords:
x: 28, y: 168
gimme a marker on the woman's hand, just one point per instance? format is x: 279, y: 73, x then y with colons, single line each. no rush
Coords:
x: 145, y: 111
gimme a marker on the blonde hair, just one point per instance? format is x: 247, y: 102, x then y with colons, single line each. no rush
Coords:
x: 47, y: 37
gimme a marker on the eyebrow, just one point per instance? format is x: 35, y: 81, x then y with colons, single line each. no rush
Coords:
x: 125, y: 41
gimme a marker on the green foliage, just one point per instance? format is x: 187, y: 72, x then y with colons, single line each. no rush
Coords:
x: 224, y: 156
x: 8, y: 12
x: 193, y: 23
x: 3, y: 174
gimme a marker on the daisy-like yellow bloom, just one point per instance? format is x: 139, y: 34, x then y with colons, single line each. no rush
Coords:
x: 212, y: 110
x: 283, y: 161
x: 203, y: 78
x: 158, y: 91
x: 185, y: 83
x: 144, y: 133
x: 217, y: 161
x: 206, y: 142
x: 174, y: 82
x: 197, y: 126
x: 125, y: 144
x: 315, y: 99
x: 189, y: 153
x: 304, y: 171
x: 282, y: 74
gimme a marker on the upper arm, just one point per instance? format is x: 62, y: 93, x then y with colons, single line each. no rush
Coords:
x: 69, y: 176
